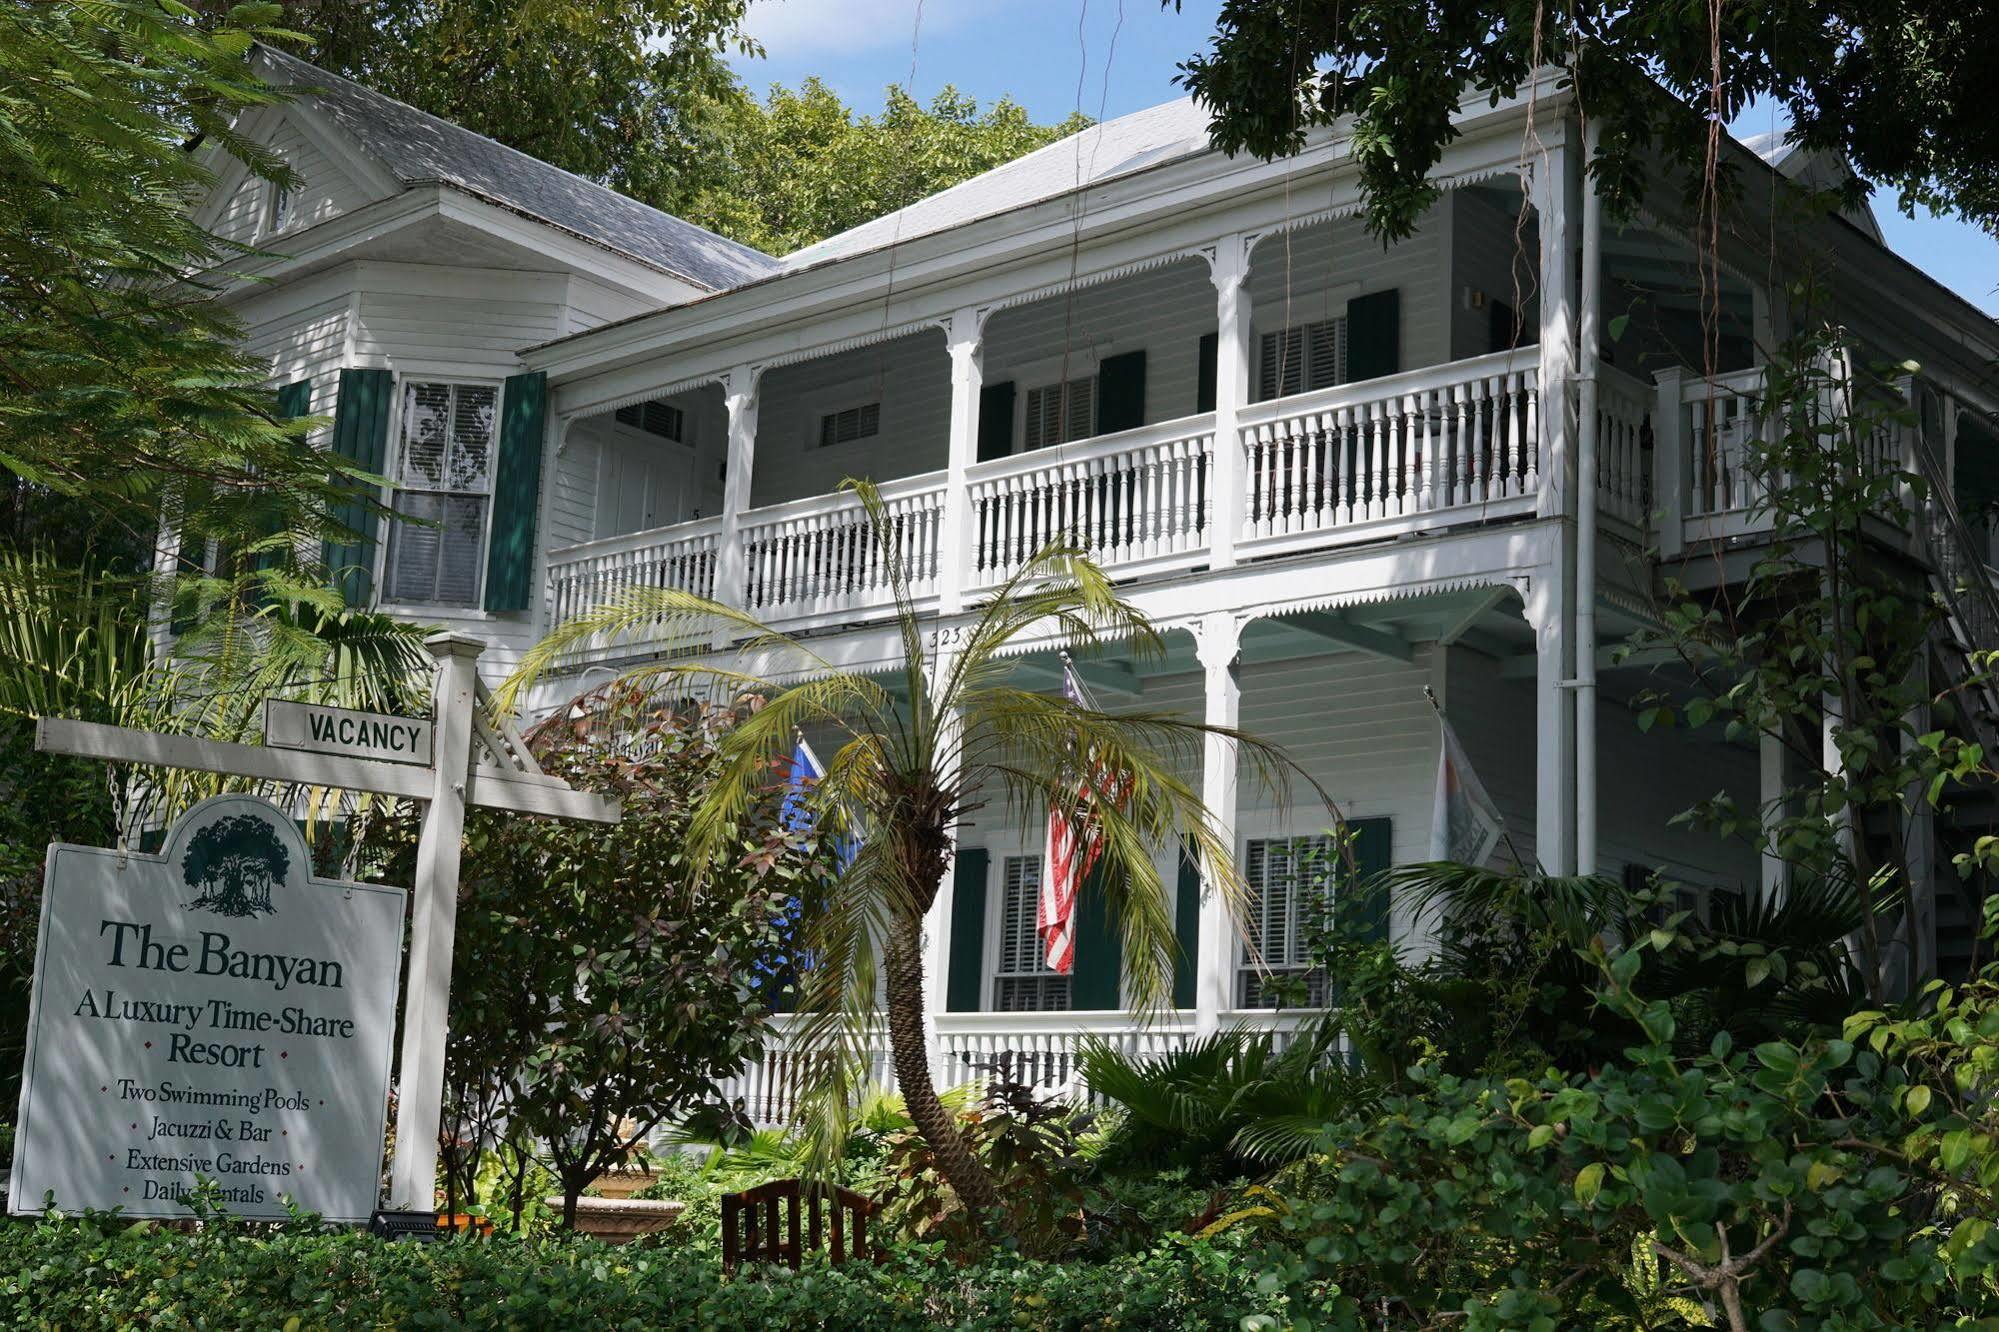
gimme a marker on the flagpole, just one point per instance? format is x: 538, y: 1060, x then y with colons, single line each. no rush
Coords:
x: 1505, y: 832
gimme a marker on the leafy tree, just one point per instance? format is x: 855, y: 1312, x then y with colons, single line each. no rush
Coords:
x: 122, y: 384
x: 948, y: 734
x: 1897, y: 86
x: 622, y: 92
x: 802, y: 166
x: 1831, y: 634
x: 607, y: 978
x: 234, y: 861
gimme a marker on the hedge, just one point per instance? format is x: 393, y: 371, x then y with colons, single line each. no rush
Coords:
x: 78, y: 1275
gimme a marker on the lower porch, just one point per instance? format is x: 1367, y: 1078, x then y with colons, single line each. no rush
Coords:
x: 1343, y: 690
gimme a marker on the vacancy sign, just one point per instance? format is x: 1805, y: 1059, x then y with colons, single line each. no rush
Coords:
x: 211, y: 1016
x: 321, y: 730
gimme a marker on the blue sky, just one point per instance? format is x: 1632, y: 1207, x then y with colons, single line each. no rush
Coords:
x: 1107, y: 57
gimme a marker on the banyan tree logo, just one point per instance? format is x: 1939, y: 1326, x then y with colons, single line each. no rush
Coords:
x: 234, y: 862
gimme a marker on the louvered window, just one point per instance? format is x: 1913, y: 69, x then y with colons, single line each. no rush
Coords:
x: 444, y: 482
x: 279, y: 214
x: 655, y: 418
x: 1023, y: 981
x: 1289, y: 891
x: 1056, y: 417
x: 1302, y: 358
x: 843, y: 427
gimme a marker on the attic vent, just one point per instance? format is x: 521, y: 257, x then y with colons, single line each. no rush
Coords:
x: 854, y: 423
x: 655, y: 418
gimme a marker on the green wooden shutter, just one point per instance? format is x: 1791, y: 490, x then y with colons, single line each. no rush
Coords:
x: 294, y: 401
x: 361, y: 436
x: 995, y: 421
x: 1121, y: 392
x: 1373, y: 853
x: 964, y: 981
x: 1205, y: 373
x: 1374, y: 335
x: 1095, y: 982
x: 1187, y: 927
x: 516, y: 493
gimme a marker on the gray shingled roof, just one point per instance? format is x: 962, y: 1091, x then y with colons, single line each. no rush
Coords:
x: 1147, y: 138
x: 421, y: 149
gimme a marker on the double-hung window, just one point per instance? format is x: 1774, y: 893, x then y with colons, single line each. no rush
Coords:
x: 444, y: 483
x: 1290, y: 892
x: 1023, y: 982
x: 1059, y: 413
x: 1302, y: 358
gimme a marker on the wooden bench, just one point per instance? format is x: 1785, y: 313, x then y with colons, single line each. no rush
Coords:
x: 762, y: 1225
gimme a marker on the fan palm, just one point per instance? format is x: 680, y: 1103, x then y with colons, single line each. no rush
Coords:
x: 948, y: 734
x: 1757, y: 969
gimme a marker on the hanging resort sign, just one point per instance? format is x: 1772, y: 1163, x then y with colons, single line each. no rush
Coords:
x: 212, y: 1017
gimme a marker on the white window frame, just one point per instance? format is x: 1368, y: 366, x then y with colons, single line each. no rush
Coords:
x: 280, y: 207
x: 1034, y: 847
x: 1027, y: 392
x: 1261, y: 330
x: 392, y: 468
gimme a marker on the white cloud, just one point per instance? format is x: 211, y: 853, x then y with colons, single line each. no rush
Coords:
x: 794, y: 29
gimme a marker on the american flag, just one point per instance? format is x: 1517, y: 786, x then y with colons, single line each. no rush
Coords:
x: 1073, y: 848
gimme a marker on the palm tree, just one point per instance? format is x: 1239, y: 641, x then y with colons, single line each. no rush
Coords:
x: 947, y: 735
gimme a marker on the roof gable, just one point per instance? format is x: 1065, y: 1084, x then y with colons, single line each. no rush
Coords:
x: 417, y: 148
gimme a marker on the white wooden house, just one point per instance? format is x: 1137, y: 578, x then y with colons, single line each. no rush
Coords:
x: 1335, y: 471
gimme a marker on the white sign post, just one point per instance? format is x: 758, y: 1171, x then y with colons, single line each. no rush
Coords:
x: 212, y: 1014
x: 471, y: 761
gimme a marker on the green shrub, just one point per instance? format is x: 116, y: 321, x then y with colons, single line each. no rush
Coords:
x: 1822, y: 1184
x: 80, y: 1275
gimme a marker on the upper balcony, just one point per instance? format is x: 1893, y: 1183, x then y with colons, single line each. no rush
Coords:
x: 1255, y: 399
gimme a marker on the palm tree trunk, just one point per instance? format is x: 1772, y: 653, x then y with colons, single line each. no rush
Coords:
x: 967, y: 1175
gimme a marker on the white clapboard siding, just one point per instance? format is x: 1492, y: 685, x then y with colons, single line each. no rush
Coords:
x: 322, y: 190
x: 442, y: 328
x: 1163, y: 310
x: 308, y: 343
x: 1493, y: 253
x: 1309, y: 274
x: 909, y: 376
x: 1644, y: 779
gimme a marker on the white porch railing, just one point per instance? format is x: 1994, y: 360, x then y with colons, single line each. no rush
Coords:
x: 1385, y: 453
x: 1722, y: 419
x: 1042, y: 1047
x: 1139, y: 497
x: 1624, y: 405
x: 821, y: 555
x: 596, y: 573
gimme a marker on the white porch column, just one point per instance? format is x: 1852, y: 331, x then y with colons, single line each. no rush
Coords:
x: 1589, y: 337
x: 1218, y: 642
x: 1669, y: 463
x: 739, y: 393
x: 1550, y: 613
x: 1229, y: 270
x: 1920, y: 851
x: 1770, y: 798
x: 936, y: 940
x: 955, y: 546
x: 1554, y: 198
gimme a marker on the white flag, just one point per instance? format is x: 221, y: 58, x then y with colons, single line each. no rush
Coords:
x: 1465, y: 826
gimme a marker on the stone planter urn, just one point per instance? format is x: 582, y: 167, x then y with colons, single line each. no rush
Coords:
x: 620, y: 1220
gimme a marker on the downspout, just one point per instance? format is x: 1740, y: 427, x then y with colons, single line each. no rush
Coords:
x: 1588, y: 323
